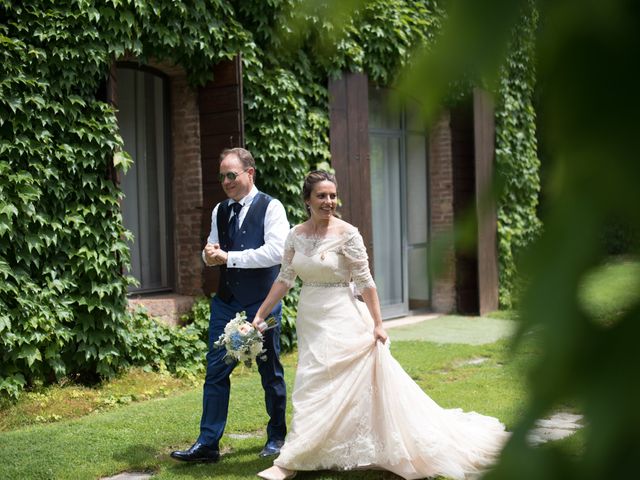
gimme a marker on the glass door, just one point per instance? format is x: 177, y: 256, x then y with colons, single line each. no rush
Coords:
x: 417, y: 198
x: 399, y: 201
x: 388, y: 242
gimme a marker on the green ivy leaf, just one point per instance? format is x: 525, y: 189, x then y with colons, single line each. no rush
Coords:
x: 122, y: 160
x: 30, y: 353
x: 5, y: 323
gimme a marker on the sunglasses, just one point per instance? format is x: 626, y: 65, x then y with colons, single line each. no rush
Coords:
x: 231, y: 176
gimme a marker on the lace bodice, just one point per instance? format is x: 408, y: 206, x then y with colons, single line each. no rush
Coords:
x: 331, y: 260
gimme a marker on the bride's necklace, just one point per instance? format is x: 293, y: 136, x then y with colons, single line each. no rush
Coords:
x: 316, y: 238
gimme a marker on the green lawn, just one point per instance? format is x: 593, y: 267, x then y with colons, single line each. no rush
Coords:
x: 133, y: 423
x: 69, y: 400
x: 140, y: 435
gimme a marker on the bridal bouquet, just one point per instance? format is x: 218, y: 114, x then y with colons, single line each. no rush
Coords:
x: 242, y: 341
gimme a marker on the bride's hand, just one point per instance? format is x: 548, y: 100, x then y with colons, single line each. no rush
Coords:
x: 379, y: 333
x: 259, y: 323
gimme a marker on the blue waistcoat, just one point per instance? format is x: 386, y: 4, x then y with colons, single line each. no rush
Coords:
x: 246, y: 285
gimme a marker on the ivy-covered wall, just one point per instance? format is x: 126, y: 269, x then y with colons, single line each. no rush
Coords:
x: 62, y: 248
x: 517, y: 162
x: 62, y: 243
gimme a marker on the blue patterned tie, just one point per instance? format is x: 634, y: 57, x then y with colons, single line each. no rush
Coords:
x: 234, y: 222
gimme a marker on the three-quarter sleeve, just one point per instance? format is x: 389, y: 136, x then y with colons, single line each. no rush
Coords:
x: 287, y: 274
x: 356, y: 253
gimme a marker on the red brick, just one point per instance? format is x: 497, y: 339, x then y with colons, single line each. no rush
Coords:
x: 441, y: 201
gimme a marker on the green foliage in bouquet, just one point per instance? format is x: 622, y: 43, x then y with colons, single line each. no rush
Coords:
x: 242, y: 341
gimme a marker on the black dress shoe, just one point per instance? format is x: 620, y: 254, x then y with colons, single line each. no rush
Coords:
x: 197, y: 453
x: 271, y: 448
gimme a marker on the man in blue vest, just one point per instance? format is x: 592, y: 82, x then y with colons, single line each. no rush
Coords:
x: 248, y: 231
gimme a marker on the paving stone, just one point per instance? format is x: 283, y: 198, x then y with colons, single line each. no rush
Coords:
x: 558, y: 426
x: 478, y: 331
x: 243, y: 436
x: 130, y: 476
x: 410, y: 320
x: 475, y: 361
x: 455, y: 329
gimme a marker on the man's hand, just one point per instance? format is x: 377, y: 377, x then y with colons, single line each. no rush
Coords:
x: 214, y: 255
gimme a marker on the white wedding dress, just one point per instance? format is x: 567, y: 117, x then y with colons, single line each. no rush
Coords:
x: 353, y: 404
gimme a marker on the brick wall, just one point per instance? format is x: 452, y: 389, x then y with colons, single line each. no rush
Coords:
x: 187, y: 186
x: 168, y: 307
x: 441, y: 202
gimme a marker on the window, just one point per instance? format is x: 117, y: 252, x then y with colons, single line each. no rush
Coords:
x: 146, y: 208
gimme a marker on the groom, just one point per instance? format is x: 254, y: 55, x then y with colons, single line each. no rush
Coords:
x: 248, y: 231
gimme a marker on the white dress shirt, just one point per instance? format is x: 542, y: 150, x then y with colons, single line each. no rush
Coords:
x: 276, y: 229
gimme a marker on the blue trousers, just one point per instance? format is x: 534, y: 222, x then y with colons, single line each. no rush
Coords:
x: 215, y: 402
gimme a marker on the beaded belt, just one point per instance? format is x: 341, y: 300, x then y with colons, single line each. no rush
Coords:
x: 325, y: 285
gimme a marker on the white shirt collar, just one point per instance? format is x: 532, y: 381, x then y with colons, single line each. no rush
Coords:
x: 246, y: 200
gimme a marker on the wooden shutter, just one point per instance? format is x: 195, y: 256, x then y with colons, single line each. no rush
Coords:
x: 349, y: 137
x: 221, y: 126
x: 473, y: 147
x: 484, y: 134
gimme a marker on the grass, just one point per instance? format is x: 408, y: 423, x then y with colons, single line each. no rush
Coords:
x: 67, y: 401
x: 140, y: 435
x: 134, y: 422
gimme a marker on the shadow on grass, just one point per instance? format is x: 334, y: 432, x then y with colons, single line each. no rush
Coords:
x: 137, y: 456
x: 231, y: 465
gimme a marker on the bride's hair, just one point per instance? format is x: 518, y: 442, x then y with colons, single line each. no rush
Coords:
x: 314, y: 177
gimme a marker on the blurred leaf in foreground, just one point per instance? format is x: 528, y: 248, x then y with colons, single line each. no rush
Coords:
x: 591, y: 127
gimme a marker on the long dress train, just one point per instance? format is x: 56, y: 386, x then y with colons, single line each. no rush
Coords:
x: 353, y: 404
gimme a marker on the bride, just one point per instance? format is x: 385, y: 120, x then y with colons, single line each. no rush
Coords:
x: 354, y: 406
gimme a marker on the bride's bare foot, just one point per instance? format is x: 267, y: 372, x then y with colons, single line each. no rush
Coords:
x: 277, y: 473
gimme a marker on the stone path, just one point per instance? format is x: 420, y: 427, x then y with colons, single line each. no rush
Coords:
x: 450, y: 329
x: 478, y: 331
x: 130, y: 476
x: 556, y: 427
x: 410, y: 320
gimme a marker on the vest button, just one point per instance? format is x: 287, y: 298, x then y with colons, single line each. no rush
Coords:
x: 242, y: 246
x: 244, y: 231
